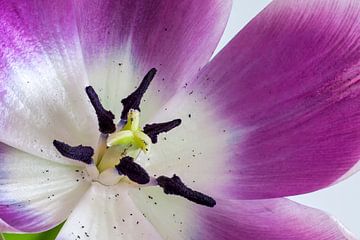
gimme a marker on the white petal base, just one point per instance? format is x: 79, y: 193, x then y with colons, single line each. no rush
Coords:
x: 107, y: 213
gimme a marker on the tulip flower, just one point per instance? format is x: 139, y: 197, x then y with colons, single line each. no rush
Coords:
x: 115, y: 120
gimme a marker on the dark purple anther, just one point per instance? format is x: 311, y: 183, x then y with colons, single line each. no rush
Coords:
x: 80, y: 153
x: 133, y: 171
x: 133, y: 100
x: 175, y: 186
x: 153, y: 130
x: 105, y: 117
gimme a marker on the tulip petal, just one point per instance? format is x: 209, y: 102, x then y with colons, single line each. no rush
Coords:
x: 278, y: 108
x: 196, y: 151
x: 36, y: 194
x: 123, y: 40
x: 42, y: 78
x: 274, y: 219
x: 4, y: 227
x: 107, y: 213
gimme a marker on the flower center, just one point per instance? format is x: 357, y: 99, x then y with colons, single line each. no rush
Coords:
x: 128, y: 141
x: 119, y: 146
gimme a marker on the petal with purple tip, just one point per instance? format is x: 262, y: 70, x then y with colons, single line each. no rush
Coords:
x: 36, y: 194
x: 273, y: 219
x: 123, y: 40
x: 4, y: 227
x: 42, y: 77
x: 279, y: 107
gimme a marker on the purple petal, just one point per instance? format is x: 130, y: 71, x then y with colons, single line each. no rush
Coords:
x: 123, y: 40
x: 286, y: 90
x: 42, y: 77
x: 36, y: 194
x: 275, y: 219
x: 4, y: 227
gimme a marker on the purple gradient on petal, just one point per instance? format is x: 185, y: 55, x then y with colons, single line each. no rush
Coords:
x: 273, y: 219
x: 176, y: 37
x: 24, y: 26
x: 4, y: 227
x: 32, y: 27
x: 2, y: 95
x: 289, y: 84
x: 20, y: 217
x: 26, y: 30
x: 3, y: 150
x: 17, y: 214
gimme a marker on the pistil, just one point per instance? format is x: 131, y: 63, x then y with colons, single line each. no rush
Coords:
x: 131, y: 134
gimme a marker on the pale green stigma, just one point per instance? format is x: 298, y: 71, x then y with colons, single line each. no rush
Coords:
x: 128, y: 141
x: 131, y: 133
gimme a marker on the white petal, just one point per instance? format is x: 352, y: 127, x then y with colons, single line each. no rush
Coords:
x: 107, y: 213
x: 196, y: 150
x: 37, y: 194
x: 171, y: 215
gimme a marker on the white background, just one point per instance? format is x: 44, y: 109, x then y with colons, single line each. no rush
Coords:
x: 341, y: 200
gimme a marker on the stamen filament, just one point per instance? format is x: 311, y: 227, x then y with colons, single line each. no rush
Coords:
x: 101, y: 148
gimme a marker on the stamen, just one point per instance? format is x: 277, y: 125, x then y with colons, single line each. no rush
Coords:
x: 133, y: 100
x: 105, y: 117
x: 175, y: 186
x: 80, y: 153
x: 133, y: 171
x: 153, y: 130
